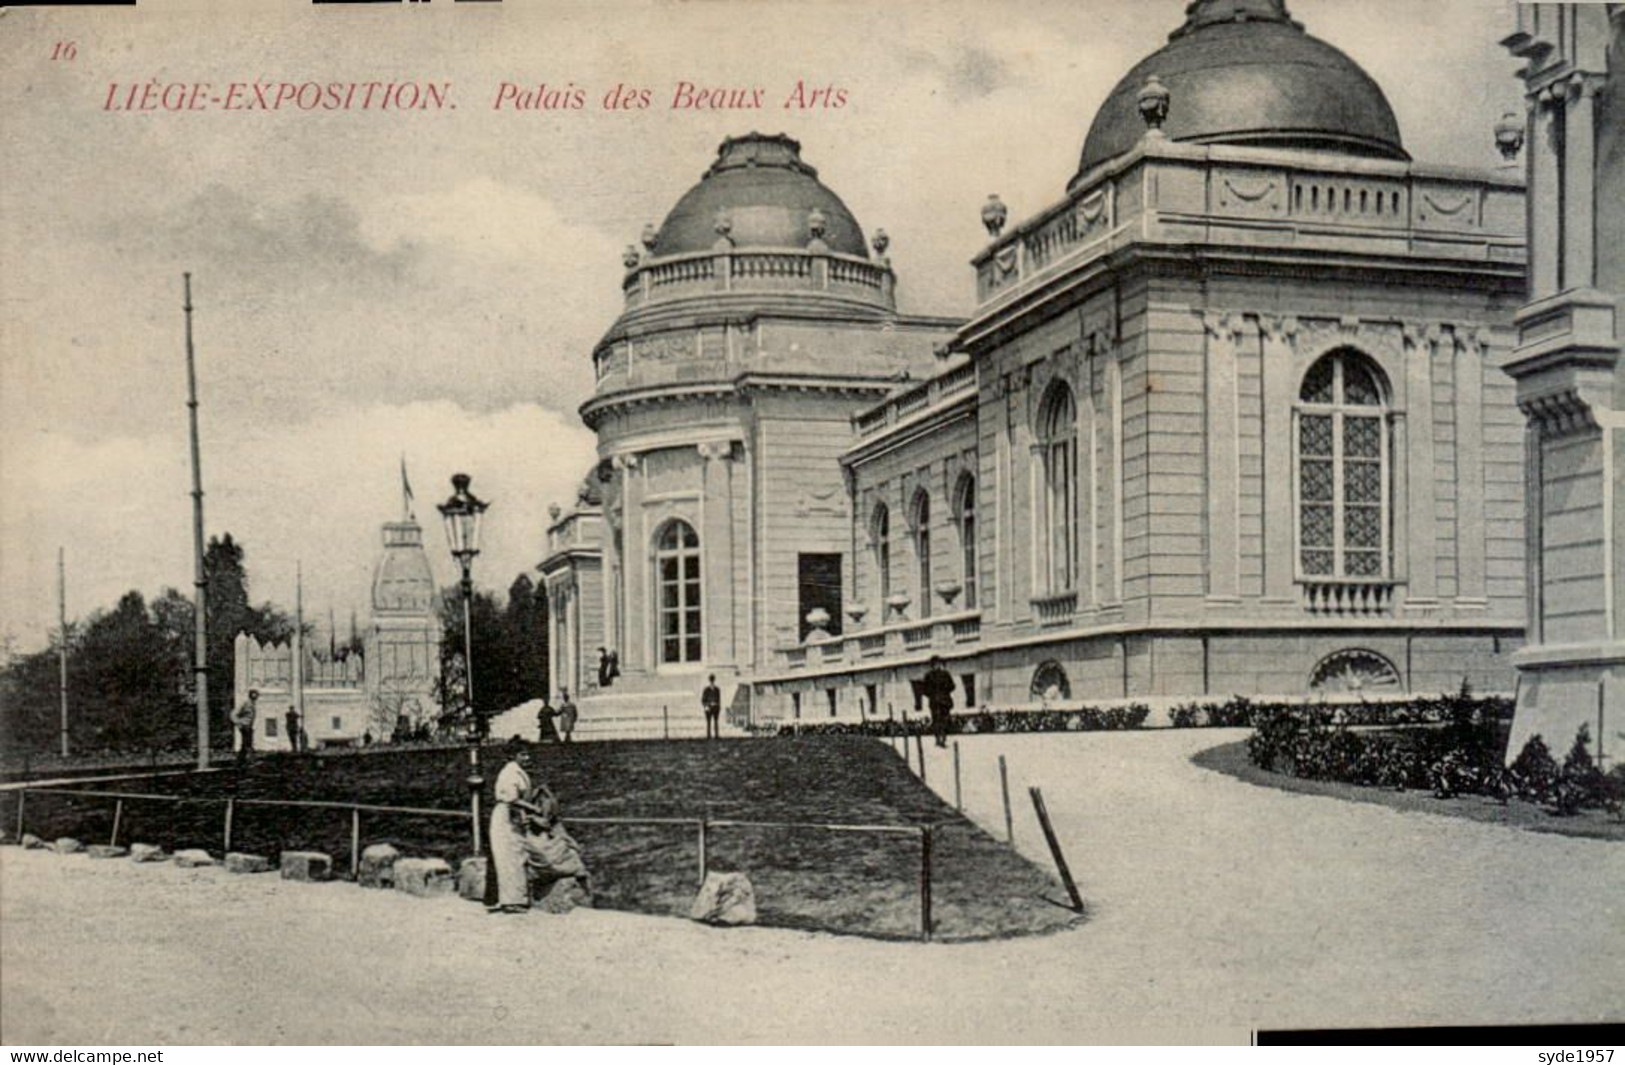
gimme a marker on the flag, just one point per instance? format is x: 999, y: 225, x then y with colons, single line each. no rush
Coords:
x: 406, y: 493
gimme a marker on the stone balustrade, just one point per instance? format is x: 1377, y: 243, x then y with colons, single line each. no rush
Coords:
x: 899, y: 638
x: 756, y: 270
x: 1172, y: 193
x: 929, y: 393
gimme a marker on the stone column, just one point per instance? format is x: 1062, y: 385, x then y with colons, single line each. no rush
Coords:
x: 1421, y: 538
x: 1471, y: 585
x: 636, y: 655
x: 1280, y: 569
x: 1545, y: 223
x: 1579, y: 184
x: 1223, y: 487
x: 719, y: 576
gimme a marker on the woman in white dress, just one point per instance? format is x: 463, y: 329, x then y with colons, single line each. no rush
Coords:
x: 508, y: 854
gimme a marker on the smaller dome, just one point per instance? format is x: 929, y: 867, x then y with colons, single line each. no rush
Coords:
x: 761, y: 192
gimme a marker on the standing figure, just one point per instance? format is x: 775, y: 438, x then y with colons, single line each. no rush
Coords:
x: 545, y: 732
x: 291, y: 718
x: 507, y: 834
x: 243, y: 717
x: 711, y: 703
x: 938, y: 689
x: 567, y: 717
x: 567, y: 713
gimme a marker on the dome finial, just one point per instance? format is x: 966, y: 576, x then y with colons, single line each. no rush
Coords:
x: 1199, y: 13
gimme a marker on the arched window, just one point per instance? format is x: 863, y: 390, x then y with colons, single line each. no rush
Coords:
x: 922, y: 549
x: 677, y: 566
x: 880, y: 526
x: 1058, y: 451
x: 965, y: 511
x: 1343, y: 476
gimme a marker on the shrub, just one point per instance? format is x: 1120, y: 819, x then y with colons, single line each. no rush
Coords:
x: 1534, y: 771
x: 1185, y: 715
x: 1580, y: 784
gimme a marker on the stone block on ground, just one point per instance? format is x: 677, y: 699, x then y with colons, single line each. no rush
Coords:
x: 377, y: 866
x: 106, y: 850
x: 471, y: 878
x: 147, y: 852
x: 424, y: 877
x: 564, y: 895
x: 237, y: 862
x: 725, y: 898
x: 33, y: 842
x: 305, y: 865
x: 194, y: 858
x: 67, y: 845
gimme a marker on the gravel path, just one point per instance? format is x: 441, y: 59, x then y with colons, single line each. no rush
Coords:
x: 1216, y: 907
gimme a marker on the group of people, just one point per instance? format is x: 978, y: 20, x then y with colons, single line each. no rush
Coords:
x: 247, y: 713
x: 555, y: 726
x: 530, y: 848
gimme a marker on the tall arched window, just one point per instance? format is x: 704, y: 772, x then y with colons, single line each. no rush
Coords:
x: 1343, y: 476
x: 1058, y: 451
x: 922, y: 549
x: 677, y: 565
x: 880, y: 527
x: 965, y: 511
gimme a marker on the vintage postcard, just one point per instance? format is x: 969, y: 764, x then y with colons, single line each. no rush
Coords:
x: 1024, y: 522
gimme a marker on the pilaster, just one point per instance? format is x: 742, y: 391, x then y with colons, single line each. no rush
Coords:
x: 1223, y: 485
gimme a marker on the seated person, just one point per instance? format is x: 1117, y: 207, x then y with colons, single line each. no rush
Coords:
x: 551, y: 853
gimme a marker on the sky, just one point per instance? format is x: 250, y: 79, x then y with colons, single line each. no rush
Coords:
x: 376, y: 285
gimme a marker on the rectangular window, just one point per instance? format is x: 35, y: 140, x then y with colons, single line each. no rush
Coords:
x: 873, y: 694
x: 270, y: 728
x: 831, y: 693
x: 795, y: 705
x: 818, y: 582
x: 969, y: 682
x: 338, y: 724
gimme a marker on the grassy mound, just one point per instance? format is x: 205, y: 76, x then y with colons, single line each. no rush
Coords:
x: 804, y: 878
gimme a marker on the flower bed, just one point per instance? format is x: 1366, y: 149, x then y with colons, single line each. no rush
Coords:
x: 1458, y: 747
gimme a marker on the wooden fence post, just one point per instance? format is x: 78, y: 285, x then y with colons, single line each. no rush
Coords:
x: 355, y: 843
x: 925, y: 882
x: 665, y: 720
x: 919, y: 751
x: 1004, y: 788
x: 1055, y: 849
x: 118, y: 815
x: 959, y: 802
x: 231, y: 807
x: 22, y: 797
x: 704, y: 849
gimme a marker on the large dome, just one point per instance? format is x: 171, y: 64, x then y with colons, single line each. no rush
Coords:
x: 761, y: 191
x: 1243, y: 72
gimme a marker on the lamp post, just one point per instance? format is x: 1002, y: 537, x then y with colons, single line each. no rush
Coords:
x: 462, y: 513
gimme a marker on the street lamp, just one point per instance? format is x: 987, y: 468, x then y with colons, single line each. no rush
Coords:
x: 462, y: 513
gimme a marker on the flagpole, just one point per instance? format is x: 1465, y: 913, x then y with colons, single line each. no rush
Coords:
x: 62, y: 656
x: 200, y: 661
x: 298, y: 650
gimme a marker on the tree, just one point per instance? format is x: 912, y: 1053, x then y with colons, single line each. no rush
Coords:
x: 507, y: 671
x: 130, y: 670
x: 230, y: 612
x: 525, y: 625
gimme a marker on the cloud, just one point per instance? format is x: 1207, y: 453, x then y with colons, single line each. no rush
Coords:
x: 968, y: 71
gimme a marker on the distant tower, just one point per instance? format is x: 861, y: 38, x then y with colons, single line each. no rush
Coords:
x: 403, y: 639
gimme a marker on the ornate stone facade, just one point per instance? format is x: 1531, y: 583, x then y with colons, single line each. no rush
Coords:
x: 1228, y: 419
x: 1570, y: 378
